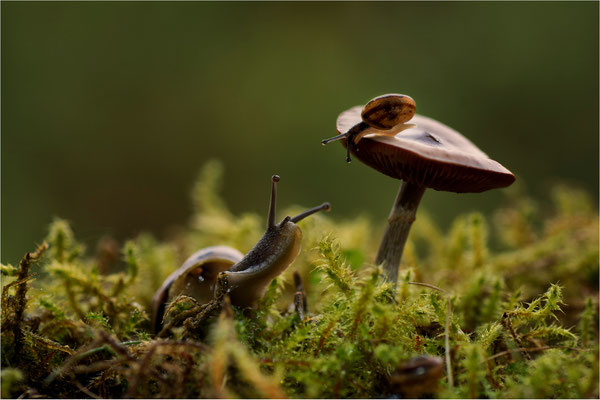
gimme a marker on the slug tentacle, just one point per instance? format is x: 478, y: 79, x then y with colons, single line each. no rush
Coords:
x: 271, y: 214
x: 325, y: 206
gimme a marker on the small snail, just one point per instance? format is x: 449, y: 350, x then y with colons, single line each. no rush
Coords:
x: 388, y: 110
x: 246, y: 276
x: 417, y: 377
x: 381, y: 113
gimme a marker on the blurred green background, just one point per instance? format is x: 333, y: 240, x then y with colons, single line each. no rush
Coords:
x: 109, y: 109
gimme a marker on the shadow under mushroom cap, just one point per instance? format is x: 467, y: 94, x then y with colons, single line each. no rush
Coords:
x: 426, y: 152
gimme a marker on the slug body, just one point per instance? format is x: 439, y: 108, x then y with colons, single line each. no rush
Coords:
x: 273, y: 253
x: 247, y: 276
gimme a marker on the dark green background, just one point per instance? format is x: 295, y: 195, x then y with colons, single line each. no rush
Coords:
x: 109, y: 109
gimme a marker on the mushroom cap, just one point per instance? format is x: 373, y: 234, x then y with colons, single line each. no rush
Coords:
x: 426, y: 152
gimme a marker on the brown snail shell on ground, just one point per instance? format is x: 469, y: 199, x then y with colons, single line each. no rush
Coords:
x: 196, y: 278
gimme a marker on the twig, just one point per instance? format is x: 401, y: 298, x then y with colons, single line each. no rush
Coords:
x: 447, y: 343
x: 144, y: 363
x: 108, y: 348
x: 85, y: 390
x: 67, y: 364
x: 117, y: 346
x: 95, y: 367
x: 324, y: 335
x: 30, y: 393
x: 508, y: 325
x: 178, y: 318
x: 429, y: 286
x: 193, y: 325
x: 9, y: 302
x: 142, y: 366
x: 506, y: 352
x: 21, y: 294
x: 103, y: 342
x: 51, y: 344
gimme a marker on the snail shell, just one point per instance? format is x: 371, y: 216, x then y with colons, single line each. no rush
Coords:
x: 388, y: 110
x: 196, y: 278
x: 418, y: 378
x: 380, y: 115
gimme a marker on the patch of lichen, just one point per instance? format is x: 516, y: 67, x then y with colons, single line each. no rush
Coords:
x: 517, y: 319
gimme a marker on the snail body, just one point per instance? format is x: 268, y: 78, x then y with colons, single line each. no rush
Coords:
x: 379, y: 116
x: 247, y: 276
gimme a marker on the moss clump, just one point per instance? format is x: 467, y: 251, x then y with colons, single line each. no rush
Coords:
x: 518, y: 319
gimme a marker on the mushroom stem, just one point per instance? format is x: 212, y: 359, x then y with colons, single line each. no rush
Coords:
x: 401, y: 217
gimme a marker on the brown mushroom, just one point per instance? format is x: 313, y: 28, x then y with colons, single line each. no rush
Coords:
x: 423, y: 153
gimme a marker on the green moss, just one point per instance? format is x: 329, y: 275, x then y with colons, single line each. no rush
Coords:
x: 11, y: 378
x: 518, y: 321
